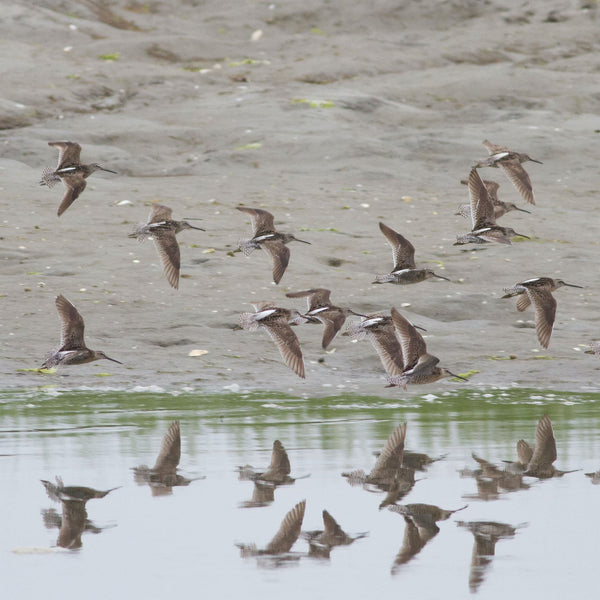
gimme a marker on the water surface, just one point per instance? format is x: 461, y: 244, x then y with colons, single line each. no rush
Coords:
x: 184, y: 541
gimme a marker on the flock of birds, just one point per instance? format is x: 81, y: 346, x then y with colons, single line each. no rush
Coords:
x: 393, y: 475
x: 398, y: 343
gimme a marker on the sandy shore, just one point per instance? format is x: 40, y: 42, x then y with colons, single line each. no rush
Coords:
x: 333, y: 117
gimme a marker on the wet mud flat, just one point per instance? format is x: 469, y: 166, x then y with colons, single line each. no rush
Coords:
x: 333, y: 118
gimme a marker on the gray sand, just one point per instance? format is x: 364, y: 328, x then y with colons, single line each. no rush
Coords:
x: 338, y: 116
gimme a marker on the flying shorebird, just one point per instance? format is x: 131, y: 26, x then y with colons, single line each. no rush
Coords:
x: 264, y: 235
x: 70, y: 170
x: 321, y: 309
x: 72, y: 349
x: 537, y: 461
x: 483, y: 219
x: 162, y: 229
x: 500, y: 207
x: 419, y: 365
x: 284, y: 539
x: 404, y: 270
x: 510, y: 163
x: 380, y: 331
x: 538, y: 291
x: 276, y: 321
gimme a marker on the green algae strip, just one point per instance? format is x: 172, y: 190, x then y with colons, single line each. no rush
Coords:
x: 465, y: 375
x: 267, y: 408
x: 248, y: 61
x: 313, y: 103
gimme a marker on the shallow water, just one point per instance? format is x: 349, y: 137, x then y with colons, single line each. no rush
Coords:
x: 184, y: 541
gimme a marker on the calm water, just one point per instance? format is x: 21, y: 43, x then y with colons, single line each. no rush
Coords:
x: 184, y: 542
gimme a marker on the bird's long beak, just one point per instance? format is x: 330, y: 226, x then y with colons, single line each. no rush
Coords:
x: 521, y: 235
x: 301, y: 319
x: 114, y: 360
x: 458, y: 509
x: 458, y: 377
x: 573, y: 285
x: 522, y: 210
x: 539, y: 162
x: 357, y: 314
x: 303, y: 241
x: 186, y: 219
x: 440, y: 277
x: 107, y: 170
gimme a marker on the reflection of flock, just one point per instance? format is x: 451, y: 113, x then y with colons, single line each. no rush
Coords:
x: 493, y: 480
x: 396, y: 346
x: 392, y: 474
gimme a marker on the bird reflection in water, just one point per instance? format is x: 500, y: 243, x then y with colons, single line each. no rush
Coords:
x: 73, y: 521
x: 262, y: 495
x: 595, y: 477
x: 389, y: 473
x: 387, y: 464
x: 537, y: 461
x: 492, y: 481
x: 485, y: 534
x: 419, y: 461
x: 277, y: 551
x: 320, y: 542
x: 265, y: 482
x: 163, y: 476
x: 412, y: 543
x: 420, y: 527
